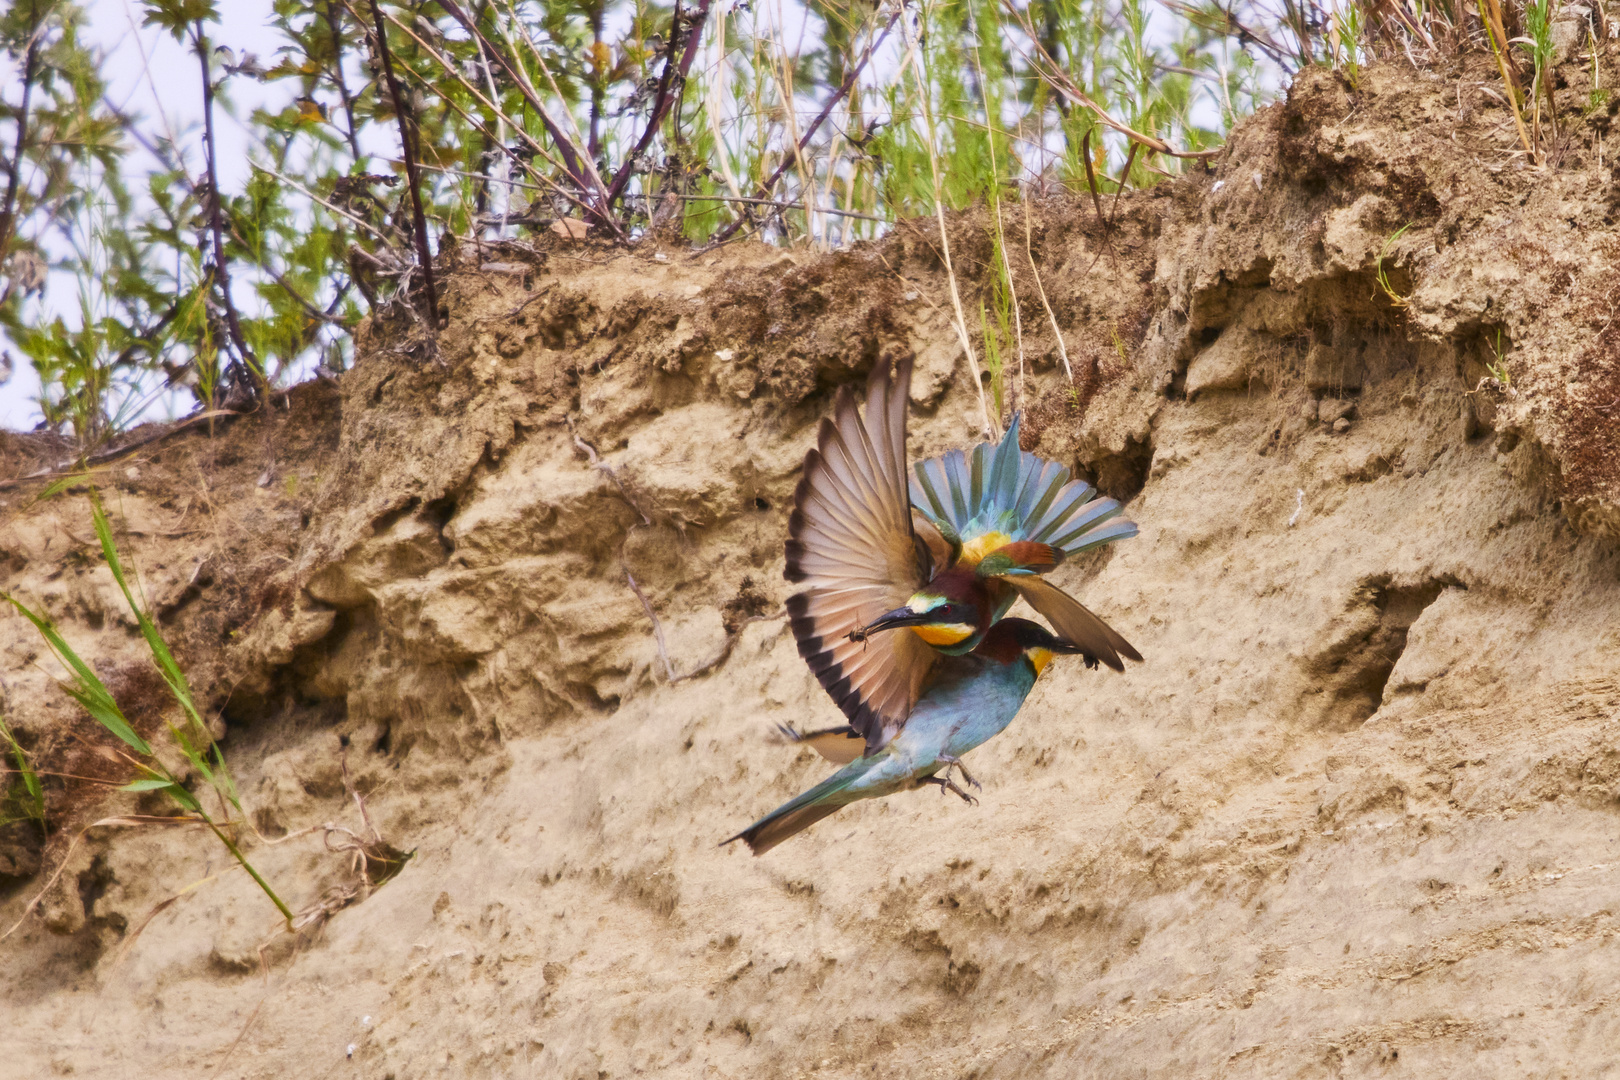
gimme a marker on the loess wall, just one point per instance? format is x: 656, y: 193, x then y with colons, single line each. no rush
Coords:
x: 1358, y: 813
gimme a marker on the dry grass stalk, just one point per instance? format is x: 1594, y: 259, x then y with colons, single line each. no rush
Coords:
x: 913, y: 60
x: 1029, y: 252
x: 1490, y: 14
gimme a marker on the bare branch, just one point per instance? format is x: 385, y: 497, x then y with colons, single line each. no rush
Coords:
x: 335, y: 25
x: 222, y: 270
x: 407, y: 140
x: 693, y: 34
x: 8, y: 215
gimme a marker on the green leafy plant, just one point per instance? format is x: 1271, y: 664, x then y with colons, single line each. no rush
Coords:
x: 1497, y: 367
x: 1381, y: 276
x: 1345, y: 42
x: 190, y: 736
x: 29, y: 801
x: 1539, y: 46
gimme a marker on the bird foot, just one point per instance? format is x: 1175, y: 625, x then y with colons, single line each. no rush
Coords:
x: 956, y: 763
x: 946, y: 784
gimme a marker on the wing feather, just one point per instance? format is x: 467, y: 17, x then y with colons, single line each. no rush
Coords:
x: 1072, y: 621
x: 839, y: 745
x: 939, y: 550
x: 854, y: 548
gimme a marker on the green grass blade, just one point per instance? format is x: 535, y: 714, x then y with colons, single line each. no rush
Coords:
x: 35, y: 807
x: 194, y: 746
x: 160, y: 650
x: 61, y: 484
x: 151, y: 783
x: 89, y: 691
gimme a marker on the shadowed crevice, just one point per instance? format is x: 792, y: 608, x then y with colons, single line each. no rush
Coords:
x: 1351, y: 673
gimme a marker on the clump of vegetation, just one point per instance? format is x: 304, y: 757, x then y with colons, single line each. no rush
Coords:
x: 24, y: 799
x: 1381, y: 275
x: 1497, y: 367
x: 190, y: 735
x: 134, y: 282
x: 204, y: 762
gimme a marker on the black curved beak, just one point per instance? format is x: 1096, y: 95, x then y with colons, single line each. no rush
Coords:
x: 890, y: 621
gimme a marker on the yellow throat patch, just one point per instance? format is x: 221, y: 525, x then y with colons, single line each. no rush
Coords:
x: 980, y: 546
x: 1040, y: 658
x: 944, y: 633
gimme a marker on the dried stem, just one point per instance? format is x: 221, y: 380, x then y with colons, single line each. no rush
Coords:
x: 222, y: 271
x: 354, y: 793
x: 693, y: 35
x: 1124, y: 178
x: 815, y: 125
x: 8, y: 215
x: 1091, y: 180
x: 1029, y: 251
x: 335, y: 25
x: 1490, y: 14
x: 407, y: 141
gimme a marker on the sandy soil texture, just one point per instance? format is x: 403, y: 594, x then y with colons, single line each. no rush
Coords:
x: 1358, y: 813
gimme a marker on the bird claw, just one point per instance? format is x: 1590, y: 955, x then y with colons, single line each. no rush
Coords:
x: 956, y: 763
x: 946, y: 784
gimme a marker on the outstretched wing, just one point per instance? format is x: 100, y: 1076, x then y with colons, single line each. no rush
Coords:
x: 1072, y: 621
x: 851, y: 543
x: 998, y: 494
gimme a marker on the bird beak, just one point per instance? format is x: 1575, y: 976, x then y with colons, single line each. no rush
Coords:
x: 892, y: 620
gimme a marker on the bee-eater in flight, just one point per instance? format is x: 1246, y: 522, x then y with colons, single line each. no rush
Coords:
x: 943, y: 554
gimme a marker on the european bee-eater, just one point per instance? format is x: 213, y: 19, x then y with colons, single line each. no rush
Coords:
x: 944, y: 554
x: 967, y: 700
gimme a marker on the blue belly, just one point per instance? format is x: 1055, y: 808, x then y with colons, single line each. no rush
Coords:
x: 954, y: 717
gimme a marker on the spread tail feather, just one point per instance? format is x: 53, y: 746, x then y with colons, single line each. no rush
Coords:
x: 998, y: 487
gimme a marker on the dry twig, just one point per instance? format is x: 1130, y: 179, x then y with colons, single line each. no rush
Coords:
x: 407, y: 142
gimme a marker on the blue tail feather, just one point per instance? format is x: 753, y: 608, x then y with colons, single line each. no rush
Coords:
x: 1088, y: 516
x: 998, y: 487
x: 803, y: 810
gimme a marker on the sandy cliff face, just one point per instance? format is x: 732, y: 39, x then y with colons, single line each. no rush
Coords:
x: 1358, y: 813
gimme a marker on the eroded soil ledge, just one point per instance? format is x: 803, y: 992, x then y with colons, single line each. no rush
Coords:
x: 1358, y: 813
